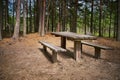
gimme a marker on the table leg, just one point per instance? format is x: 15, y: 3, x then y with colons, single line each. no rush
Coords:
x: 97, y: 52
x: 63, y: 42
x: 77, y: 50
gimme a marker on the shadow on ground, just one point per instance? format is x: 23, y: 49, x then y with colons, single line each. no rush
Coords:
x: 47, y: 55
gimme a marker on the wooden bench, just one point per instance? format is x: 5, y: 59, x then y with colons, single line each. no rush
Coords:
x: 55, y: 49
x: 97, y: 48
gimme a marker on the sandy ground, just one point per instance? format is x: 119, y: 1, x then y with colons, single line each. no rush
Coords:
x: 25, y: 60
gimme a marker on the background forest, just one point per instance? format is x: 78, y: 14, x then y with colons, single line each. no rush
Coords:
x: 23, y: 23
x: 96, y: 17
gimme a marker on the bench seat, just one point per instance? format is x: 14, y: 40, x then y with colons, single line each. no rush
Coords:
x: 97, y: 47
x: 55, y: 49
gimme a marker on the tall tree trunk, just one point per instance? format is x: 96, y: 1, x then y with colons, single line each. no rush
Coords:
x: 13, y: 12
x: 118, y: 32
x: 100, y: 16
x: 43, y: 19
x: 35, y: 26
x: 6, y: 15
x: 17, y: 24
x: 59, y: 18
x: 115, y: 24
x: 0, y: 19
x: 63, y: 14
x: 30, y: 19
x: 27, y: 16
x: 73, y: 28
x: 91, y: 25
x: 13, y: 17
x: 85, y: 31
x: 47, y: 23
x: 47, y: 20
x: 40, y: 6
x: 53, y: 15
x: 60, y: 15
x: 110, y: 18
x: 24, y: 17
x: 75, y: 20
x: 37, y: 15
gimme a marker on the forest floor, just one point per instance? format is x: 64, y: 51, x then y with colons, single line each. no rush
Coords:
x: 24, y: 59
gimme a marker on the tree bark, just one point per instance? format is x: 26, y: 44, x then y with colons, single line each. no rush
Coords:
x: 100, y: 16
x: 47, y: 17
x: 6, y: 15
x: 17, y: 24
x: 43, y: 19
x: 37, y: 15
x: 59, y: 18
x: 35, y: 26
x: 53, y: 15
x: 85, y: 31
x: 73, y: 27
x: 0, y: 19
x: 30, y: 19
x: 40, y: 8
x: 63, y: 15
x: 91, y: 26
x: 110, y: 19
x: 13, y: 17
x: 118, y: 33
x: 27, y: 16
x: 24, y: 17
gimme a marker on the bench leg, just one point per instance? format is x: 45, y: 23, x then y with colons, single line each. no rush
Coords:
x: 97, y: 52
x: 54, y: 56
x: 63, y: 42
x: 81, y: 48
x: 44, y: 48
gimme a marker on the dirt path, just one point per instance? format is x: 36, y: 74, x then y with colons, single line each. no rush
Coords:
x: 25, y: 60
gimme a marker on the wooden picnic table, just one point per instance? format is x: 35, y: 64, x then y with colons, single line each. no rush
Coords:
x: 77, y: 41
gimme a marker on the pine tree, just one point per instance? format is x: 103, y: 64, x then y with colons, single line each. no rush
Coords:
x: 17, y: 24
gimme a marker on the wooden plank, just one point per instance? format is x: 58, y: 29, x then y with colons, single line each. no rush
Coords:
x: 53, y: 47
x: 97, y: 48
x: 75, y: 36
x: 96, y: 45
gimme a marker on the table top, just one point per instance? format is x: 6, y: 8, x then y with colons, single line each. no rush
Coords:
x: 74, y: 36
